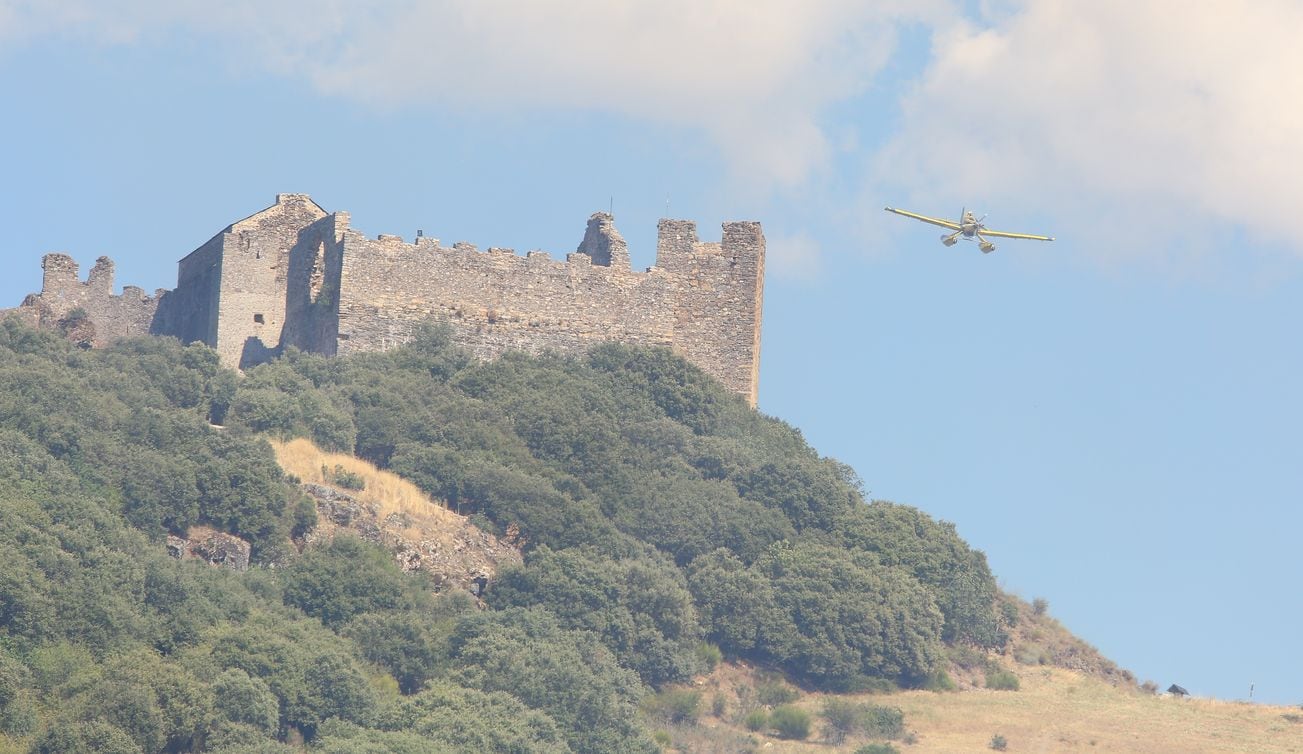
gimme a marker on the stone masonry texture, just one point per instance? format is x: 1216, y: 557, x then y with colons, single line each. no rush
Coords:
x: 296, y: 275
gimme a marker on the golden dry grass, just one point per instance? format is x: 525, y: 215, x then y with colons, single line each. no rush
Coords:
x: 1055, y: 711
x: 395, y: 514
x: 389, y: 492
x: 1063, y: 711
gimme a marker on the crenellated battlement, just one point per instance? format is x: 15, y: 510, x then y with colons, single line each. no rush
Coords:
x: 107, y: 315
x: 296, y: 275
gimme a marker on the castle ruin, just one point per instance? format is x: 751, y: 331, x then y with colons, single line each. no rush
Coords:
x: 296, y: 275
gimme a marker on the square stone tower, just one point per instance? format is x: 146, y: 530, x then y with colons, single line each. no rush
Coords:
x: 231, y: 291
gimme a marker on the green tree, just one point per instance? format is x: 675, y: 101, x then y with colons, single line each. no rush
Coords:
x: 241, y: 698
x: 410, y: 645
x: 811, y: 493
x: 738, y: 607
x: 687, y: 518
x: 567, y: 674
x: 310, y: 670
x: 682, y: 391
x: 471, y: 720
x: 640, y: 607
x: 345, y: 578
x: 854, y: 618
x: 99, y: 737
x: 933, y: 552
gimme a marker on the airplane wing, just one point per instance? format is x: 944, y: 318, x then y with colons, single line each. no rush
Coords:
x: 1002, y: 234
x: 924, y: 218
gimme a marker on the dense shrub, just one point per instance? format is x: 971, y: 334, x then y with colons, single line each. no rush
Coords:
x: 465, y: 719
x: 843, y: 718
x: 349, y: 480
x: 675, y: 705
x: 240, y: 698
x: 790, y: 722
x: 709, y: 655
x: 567, y: 674
x: 933, y: 553
x: 840, y: 719
x: 881, y: 722
x: 640, y: 606
x: 1001, y: 680
x: 774, y: 692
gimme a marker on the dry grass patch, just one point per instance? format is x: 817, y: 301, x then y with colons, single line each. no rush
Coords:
x: 1055, y: 710
x: 395, y: 514
x: 389, y: 492
x: 1065, y: 711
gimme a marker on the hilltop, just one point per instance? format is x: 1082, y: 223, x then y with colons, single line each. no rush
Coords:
x: 633, y: 529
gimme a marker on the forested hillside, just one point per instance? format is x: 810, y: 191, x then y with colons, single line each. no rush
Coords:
x: 663, y: 522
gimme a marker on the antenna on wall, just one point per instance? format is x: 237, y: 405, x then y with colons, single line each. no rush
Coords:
x: 667, y: 206
x: 611, y: 210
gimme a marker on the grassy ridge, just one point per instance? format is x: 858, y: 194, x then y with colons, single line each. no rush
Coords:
x: 1064, y: 711
x: 1055, y: 710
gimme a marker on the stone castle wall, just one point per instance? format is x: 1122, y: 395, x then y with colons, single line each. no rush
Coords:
x: 495, y: 300
x: 110, y: 316
x: 295, y: 275
x: 189, y: 312
x: 702, y: 299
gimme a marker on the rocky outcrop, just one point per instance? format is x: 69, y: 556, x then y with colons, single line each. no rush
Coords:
x: 451, y: 550
x: 211, y: 546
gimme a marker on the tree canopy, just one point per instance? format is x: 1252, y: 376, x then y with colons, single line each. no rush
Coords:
x: 657, y: 512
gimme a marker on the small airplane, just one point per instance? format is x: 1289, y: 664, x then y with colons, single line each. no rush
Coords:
x: 969, y: 228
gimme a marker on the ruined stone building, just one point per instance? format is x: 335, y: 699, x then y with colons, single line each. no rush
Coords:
x: 297, y: 275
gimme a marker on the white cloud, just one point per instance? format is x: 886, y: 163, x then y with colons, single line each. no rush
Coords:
x: 754, y: 75
x: 1132, y: 122
x: 1131, y: 126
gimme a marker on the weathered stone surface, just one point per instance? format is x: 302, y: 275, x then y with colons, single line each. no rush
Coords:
x: 107, y: 316
x: 295, y: 275
x: 211, y: 546
x: 444, y: 545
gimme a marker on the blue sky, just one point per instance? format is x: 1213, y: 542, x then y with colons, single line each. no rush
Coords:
x: 1114, y: 418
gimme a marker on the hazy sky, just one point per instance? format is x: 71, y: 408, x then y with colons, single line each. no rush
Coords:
x: 1114, y: 418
